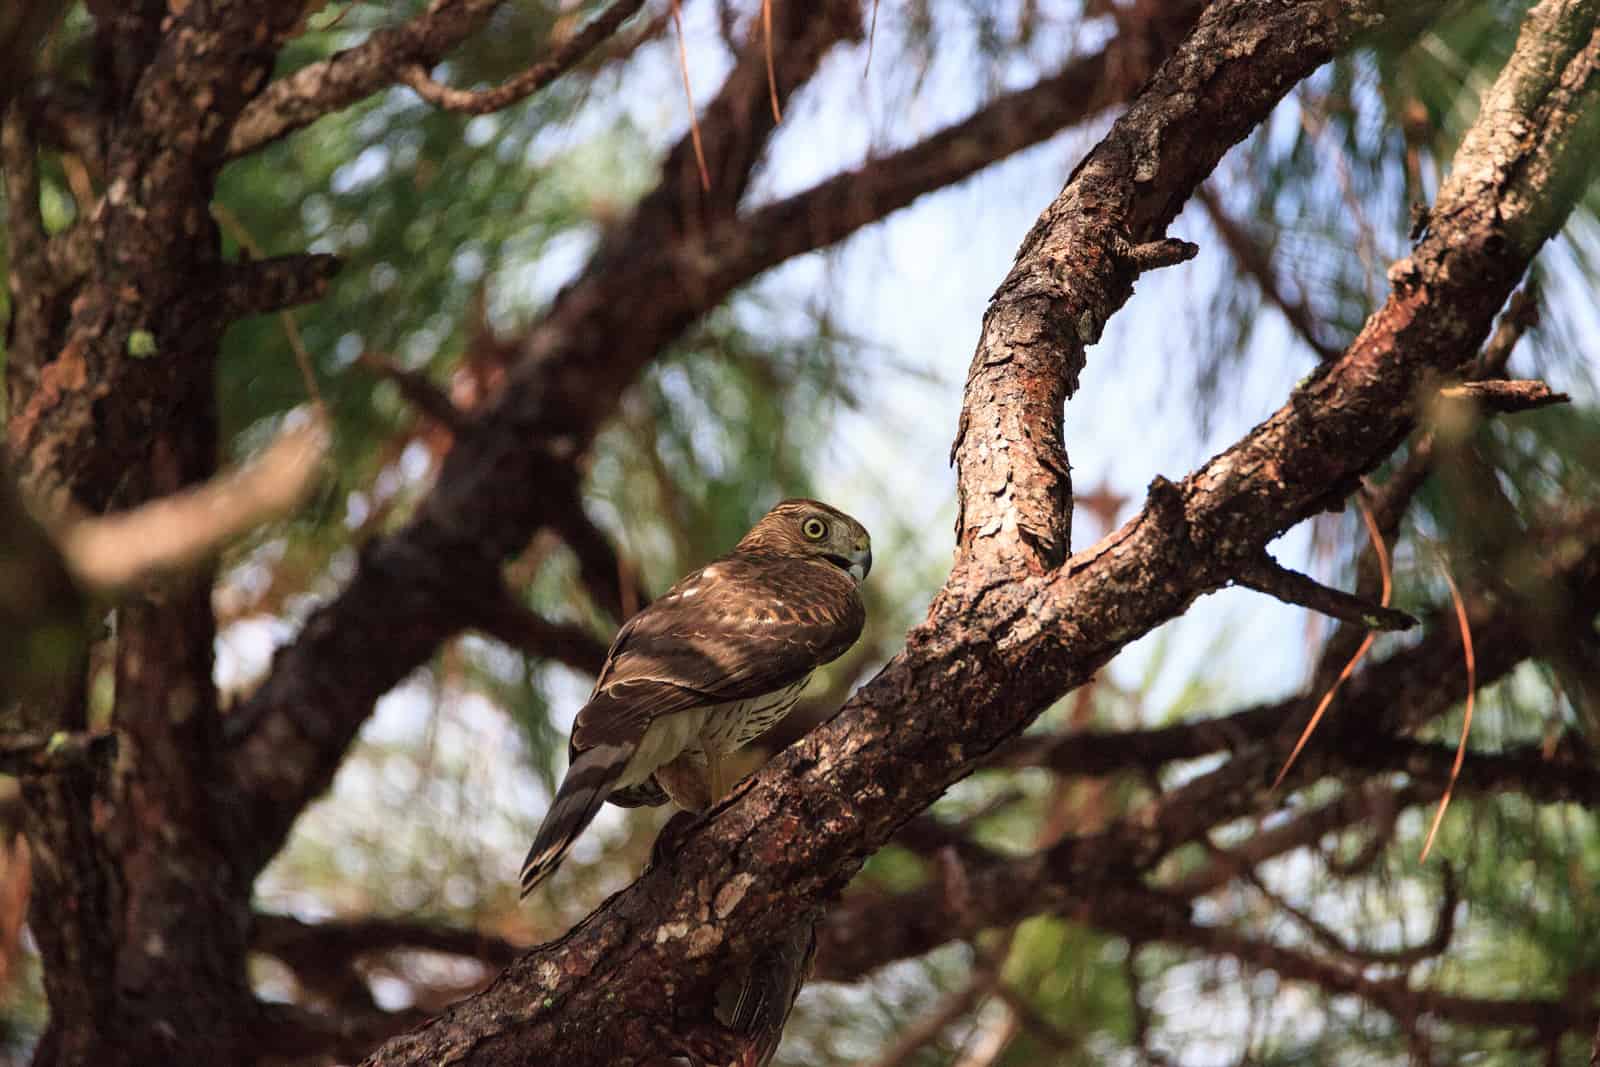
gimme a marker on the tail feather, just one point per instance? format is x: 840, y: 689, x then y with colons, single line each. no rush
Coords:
x: 583, y: 790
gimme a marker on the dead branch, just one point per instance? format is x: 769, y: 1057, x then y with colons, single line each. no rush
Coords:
x: 1504, y: 395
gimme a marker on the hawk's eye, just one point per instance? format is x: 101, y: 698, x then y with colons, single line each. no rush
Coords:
x: 814, y: 528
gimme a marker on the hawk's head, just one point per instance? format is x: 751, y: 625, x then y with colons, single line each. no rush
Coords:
x: 810, y: 528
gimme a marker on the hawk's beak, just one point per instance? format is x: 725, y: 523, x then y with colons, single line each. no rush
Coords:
x: 860, y: 564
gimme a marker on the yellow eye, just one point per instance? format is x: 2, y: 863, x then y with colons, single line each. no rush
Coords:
x: 814, y: 528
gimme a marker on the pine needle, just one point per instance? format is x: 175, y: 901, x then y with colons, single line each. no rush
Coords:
x: 688, y: 95
x: 1349, y: 668
x: 772, y: 74
x: 1466, y: 722
x: 872, y: 35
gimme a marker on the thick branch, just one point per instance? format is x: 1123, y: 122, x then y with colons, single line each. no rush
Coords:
x: 1388, y: 698
x: 116, y: 551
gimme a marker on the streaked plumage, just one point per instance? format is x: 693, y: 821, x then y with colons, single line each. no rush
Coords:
x: 715, y: 661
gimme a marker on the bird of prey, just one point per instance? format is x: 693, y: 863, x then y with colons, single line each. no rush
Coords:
x: 711, y: 664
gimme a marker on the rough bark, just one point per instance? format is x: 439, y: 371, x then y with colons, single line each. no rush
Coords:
x: 997, y: 648
x: 138, y: 906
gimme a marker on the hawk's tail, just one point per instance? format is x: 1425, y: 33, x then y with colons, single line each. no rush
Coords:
x: 583, y: 790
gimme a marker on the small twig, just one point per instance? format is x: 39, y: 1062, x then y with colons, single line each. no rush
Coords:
x: 1034, y: 1021
x: 931, y: 1025
x: 1503, y: 395
x: 530, y: 81
x: 260, y: 286
x: 1266, y: 575
x: 1520, y: 316
x: 1153, y: 255
x: 1435, y: 945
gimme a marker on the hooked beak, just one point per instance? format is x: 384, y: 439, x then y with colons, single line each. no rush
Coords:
x: 860, y: 564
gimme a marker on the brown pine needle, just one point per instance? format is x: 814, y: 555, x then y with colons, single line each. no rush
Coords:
x: 872, y: 35
x: 688, y: 94
x: 772, y: 74
x: 1466, y: 722
x: 340, y: 17
x: 1349, y: 668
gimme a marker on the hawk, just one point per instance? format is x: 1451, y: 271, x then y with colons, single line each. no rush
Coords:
x: 715, y: 661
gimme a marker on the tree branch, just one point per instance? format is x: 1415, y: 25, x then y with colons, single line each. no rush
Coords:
x: 1143, y: 919
x: 259, y: 286
x: 335, y: 943
x: 613, y: 583
x: 1014, y: 491
x: 570, y: 53
x: 1387, y: 699
x: 1505, y: 396
x: 1266, y: 575
x: 506, y: 618
x: 419, y: 390
x: 117, y: 551
x: 331, y: 84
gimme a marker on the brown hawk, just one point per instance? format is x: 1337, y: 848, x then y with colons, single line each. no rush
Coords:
x: 715, y: 661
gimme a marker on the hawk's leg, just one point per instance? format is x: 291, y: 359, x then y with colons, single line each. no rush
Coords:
x: 687, y: 783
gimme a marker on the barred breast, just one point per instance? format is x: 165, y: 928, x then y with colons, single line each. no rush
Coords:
x: 730, y: 726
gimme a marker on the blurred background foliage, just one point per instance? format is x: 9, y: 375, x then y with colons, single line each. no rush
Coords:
x: 838, y: 376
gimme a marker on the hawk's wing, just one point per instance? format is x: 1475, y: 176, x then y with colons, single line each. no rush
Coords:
x: 739, y: 627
